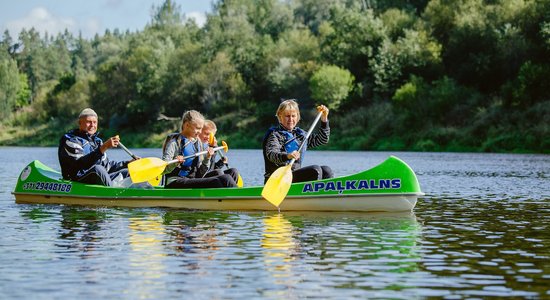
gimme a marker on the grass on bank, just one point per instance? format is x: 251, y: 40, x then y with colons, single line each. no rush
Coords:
x: 24, y: 129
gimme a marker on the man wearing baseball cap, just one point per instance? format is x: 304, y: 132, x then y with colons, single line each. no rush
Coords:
x: 82, y: 154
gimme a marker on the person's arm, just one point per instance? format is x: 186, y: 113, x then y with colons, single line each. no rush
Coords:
x: 204, y: 166
x: 73, y: 155
x: 222, y: 162
x: 272, y: 150
x: 170, y: 153
x: 319, y: 138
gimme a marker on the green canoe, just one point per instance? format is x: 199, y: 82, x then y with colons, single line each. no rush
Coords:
x: 389, y: 186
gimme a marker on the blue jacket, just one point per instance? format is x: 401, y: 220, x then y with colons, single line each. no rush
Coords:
x: 78, y: 152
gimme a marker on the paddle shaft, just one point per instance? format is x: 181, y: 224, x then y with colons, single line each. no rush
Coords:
x: 194, y: 155
x: 308, y: 134
x: 223, y: 156
x: 127, y: 151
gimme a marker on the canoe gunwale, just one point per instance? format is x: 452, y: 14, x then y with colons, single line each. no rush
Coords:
x: 418, y: 194
x: 38, y: 184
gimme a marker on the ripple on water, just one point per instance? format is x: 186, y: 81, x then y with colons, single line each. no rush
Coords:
x: 481, y: 231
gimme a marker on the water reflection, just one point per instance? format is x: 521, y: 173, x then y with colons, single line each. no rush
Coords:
x: 362, y: 245
x: 488, y: 247
x: 278, y: 248
x: 78, y: 231
x: 352, y: 253
x: 448, y: 249
x: 192, y: 232
x: 146, y: 255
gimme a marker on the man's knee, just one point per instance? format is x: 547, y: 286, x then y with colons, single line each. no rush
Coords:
x: 327, y: 172
x: 97, y: 174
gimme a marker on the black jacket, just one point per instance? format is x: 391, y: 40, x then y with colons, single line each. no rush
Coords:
x: 275, y: 153
x: 78, y: 152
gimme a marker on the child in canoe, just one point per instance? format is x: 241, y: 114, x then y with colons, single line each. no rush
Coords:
x: 281, y: 143
x: 184, y: 174
x: 210, y: 165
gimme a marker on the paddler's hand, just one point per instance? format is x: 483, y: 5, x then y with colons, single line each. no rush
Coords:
x: 180, y: 159
x: 111, y: 142
x: 293, y: 154
x: 324, y: 110
x: 210, y: 152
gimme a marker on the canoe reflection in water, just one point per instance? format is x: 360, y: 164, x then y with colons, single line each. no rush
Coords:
x: 342, y: 249
x: 268, y: 255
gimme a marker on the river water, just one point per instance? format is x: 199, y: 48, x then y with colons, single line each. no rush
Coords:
x: 482, y: 230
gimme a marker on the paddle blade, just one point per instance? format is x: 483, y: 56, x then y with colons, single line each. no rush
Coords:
x: 240, y: 181
x: 145, y: 169
x: 211, y: 139
x: 277, y: 186
x: 155, y: 181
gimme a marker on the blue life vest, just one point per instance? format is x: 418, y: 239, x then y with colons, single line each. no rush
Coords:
x: 187, y: 149
x: 76, y: 144
x: 292, y: 143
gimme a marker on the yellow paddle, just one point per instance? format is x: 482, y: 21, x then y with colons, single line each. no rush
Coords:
x: 148, y: 168
x: 279, y: 182
x: 239, y: 178
x: 155, y: 181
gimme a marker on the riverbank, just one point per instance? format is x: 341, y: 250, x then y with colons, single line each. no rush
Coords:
x: 48, y: 134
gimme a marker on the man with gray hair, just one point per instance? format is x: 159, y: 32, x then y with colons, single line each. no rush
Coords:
x: 82, y: 154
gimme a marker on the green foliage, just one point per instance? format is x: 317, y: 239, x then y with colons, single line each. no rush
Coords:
x: 24, y: 92
x: 350, y: 38
x: 433, y: 111
x: 313, y: 13
x: 167, y: 14
x: 423, y: 75
x: 295, y: 58
x: 396, y: 20
x: 9, y: 86
x: 531, y: 85
x: 545, y: 32
x: 414, y: 52
x: 300, y: 45
x: 223, y: 86
x: 330, y: 85
x: 67, y: 98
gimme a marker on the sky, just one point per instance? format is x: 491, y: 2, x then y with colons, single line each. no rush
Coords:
x: 87, y: 16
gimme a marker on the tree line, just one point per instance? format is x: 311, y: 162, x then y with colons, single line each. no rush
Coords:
x: 420, y: 75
